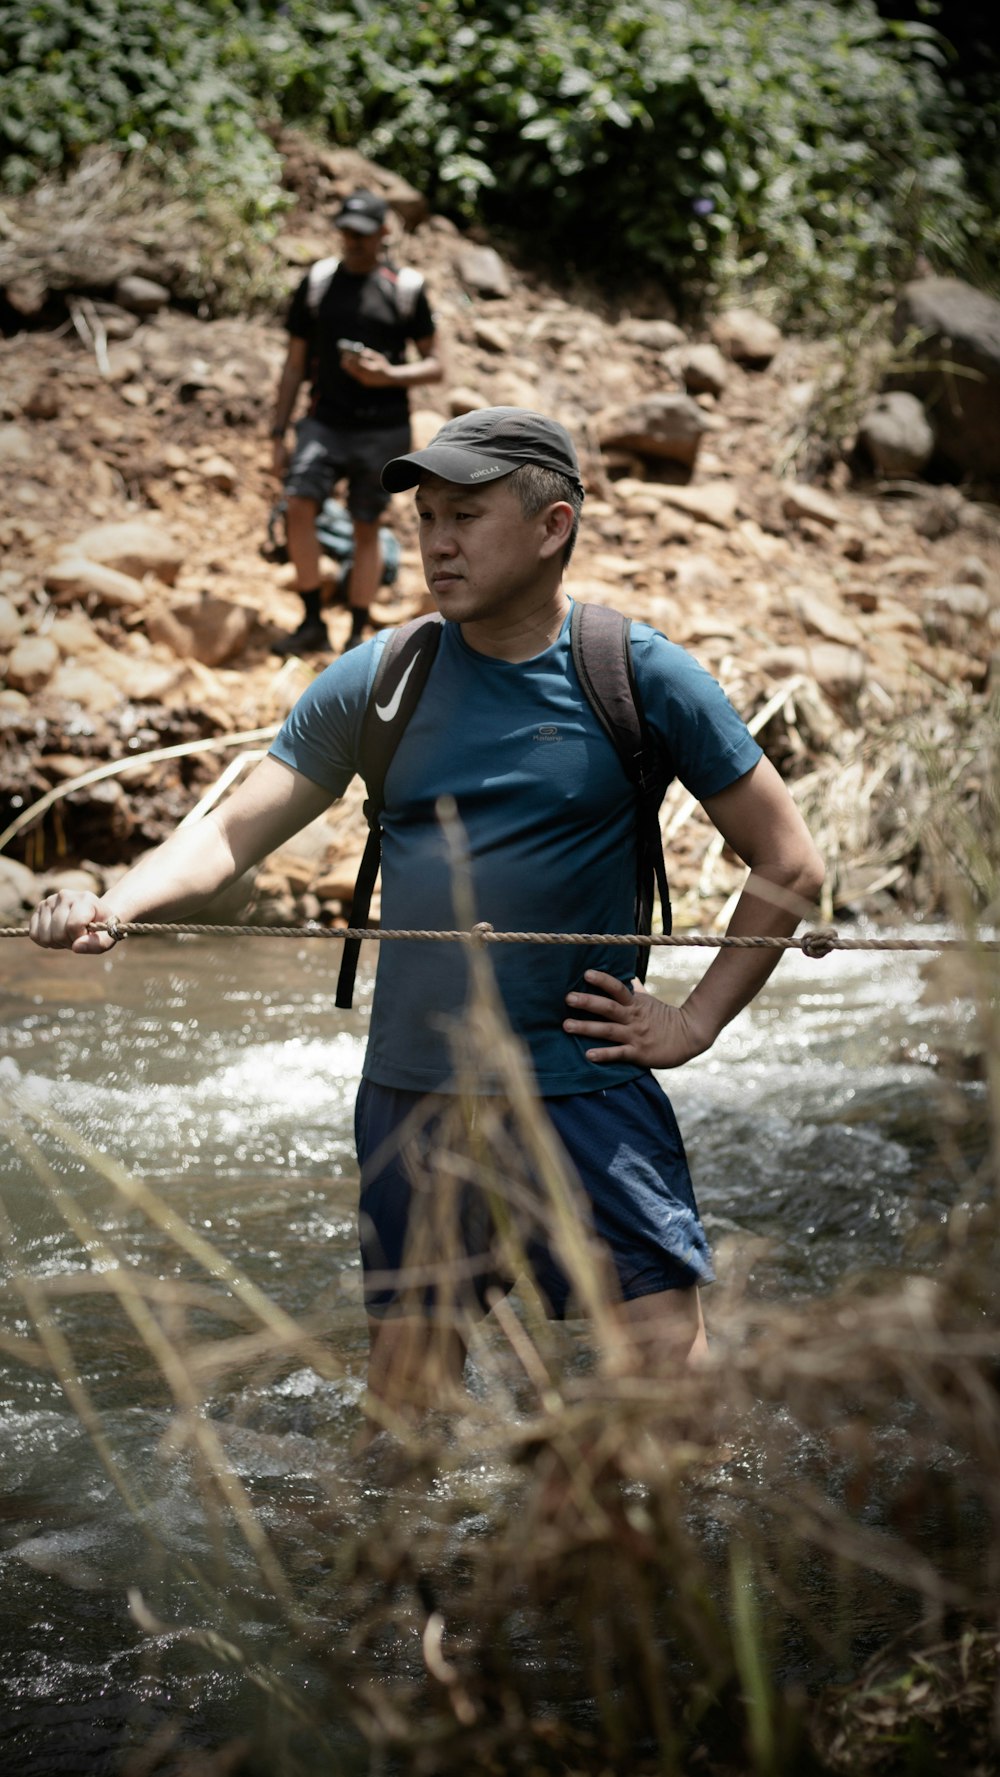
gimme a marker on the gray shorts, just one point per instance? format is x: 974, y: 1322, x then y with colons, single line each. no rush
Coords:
x: 324, y: 455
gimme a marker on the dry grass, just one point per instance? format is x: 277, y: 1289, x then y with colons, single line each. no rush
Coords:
x: 587, y: 1567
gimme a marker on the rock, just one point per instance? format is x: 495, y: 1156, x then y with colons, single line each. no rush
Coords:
x: 44, y: 402
x: 659, y: 336
x: 85, y: 882
x: 799, y: 500
x: 947, y: 327
x: 213, y: 630
x: 13, y: 705
x: 716, y: 501
x: 482, y: 271
x: 969, y: 601
x: 425, y: 425
x: 492, y: 336
x: 896, y: 434
x: 699, y: 573
x: 136, y: 547
x: 141, y: 296
x: 11, y: 623
x: 32, y: 662
x: 27, y: 294
x: 73, y: 577
x: 221, y: 473
x: 703, y: 369
x: 746, y: 337
x: 838, y: 671
x: 16, y: 444
x: 18, y: 884
x: 820, y: 617
x: 463, y: 400
x: 85, y: 685
x: 941, y: 513
x: 669, y: 426
x: 973, y: 570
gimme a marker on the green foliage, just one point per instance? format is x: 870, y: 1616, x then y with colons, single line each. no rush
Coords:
x: 809, y: 152
x: 149, y: 77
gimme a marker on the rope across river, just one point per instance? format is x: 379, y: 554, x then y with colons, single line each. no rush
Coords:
x: 815, y: 944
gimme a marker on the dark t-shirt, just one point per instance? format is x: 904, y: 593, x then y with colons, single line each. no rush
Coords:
x: 364, y: 309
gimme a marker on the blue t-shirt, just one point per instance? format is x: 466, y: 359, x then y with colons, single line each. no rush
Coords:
x: 549, y: 817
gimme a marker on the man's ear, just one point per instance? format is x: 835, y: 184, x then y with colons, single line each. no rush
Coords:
x: 558, y: 522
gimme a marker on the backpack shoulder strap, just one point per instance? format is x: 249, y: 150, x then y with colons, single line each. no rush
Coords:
x: 406, y: 284
x: 601, y: 646
x: 318, y: 282
x: 399, y: 679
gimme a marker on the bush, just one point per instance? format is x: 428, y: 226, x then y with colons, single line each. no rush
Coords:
x: 718, y: 147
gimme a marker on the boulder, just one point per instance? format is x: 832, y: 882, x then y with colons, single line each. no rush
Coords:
x: 716, y: 502
x: 703, y: 369
x: 463, y: 400
x: 491, y: 335
x: 820, y: 616
x: 135, y: 547
x: 212, y: 630
x: 896, y: 434
x: 75, y: 682
x: 11, y: 623
x: 482, y: 271
x: 746, y: 337
x: 44, y: 402
x: 838, y: 671
x: 664, y: 426
x: 74, y: 577
x: 425, y: 424
x: 799, y: 500
x: 220, y: 472
x: 951, y: 332
x: 141, y: 296
x: 32, y: 662
x: 659, y: 336
x: 16, y: 444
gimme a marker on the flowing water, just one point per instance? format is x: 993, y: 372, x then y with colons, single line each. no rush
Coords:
x: 219, y: 1073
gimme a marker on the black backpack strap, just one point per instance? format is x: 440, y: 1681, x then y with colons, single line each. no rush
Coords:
x: 602, y: 655
x: 400, y: 677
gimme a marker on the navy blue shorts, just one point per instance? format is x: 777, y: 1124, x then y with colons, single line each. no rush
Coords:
x: 624, y: 1147
x: 324, y: 455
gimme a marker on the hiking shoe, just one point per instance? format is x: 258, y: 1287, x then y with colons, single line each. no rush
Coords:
x: 309, y: 638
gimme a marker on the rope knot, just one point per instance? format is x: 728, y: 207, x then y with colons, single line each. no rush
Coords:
x: 481, y: 932
x: 819, y: 943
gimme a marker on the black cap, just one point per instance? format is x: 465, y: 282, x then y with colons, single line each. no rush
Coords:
x: 485, y: 444
x: 363, y: 212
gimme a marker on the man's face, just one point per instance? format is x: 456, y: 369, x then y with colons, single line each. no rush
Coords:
x: 360, y: 252
x: 482, y: 558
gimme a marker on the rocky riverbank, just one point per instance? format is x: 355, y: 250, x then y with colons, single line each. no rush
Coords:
x: 853, y: 613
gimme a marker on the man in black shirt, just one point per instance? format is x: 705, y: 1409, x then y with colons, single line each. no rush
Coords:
x: 350, y: 323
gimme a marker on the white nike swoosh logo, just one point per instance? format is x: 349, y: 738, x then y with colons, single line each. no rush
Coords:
x: 387, y: 710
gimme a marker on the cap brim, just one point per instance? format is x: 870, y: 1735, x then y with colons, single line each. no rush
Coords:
x: 467, y: 467
x: 357, y: 224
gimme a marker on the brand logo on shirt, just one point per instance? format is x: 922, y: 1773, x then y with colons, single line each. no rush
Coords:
x: 548, y: 731
x: 387, y: 710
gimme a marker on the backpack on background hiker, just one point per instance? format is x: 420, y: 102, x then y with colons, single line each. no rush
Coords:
x: 601, y: 646
x: 335, y: 532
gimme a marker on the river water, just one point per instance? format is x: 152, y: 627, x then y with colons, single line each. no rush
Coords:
x: 218, y: 1072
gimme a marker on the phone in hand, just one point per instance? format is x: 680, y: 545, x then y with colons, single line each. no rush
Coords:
x: 350, y: 345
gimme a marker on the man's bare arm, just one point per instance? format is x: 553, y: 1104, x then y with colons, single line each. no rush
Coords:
x: 759, y: 821
x: 194, y: 864
x: 292, y: 375
x: 376, y: 372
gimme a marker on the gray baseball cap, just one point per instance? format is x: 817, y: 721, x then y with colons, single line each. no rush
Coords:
x: 483, y: 446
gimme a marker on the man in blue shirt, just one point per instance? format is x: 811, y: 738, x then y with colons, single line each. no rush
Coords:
x: 504, y: 728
